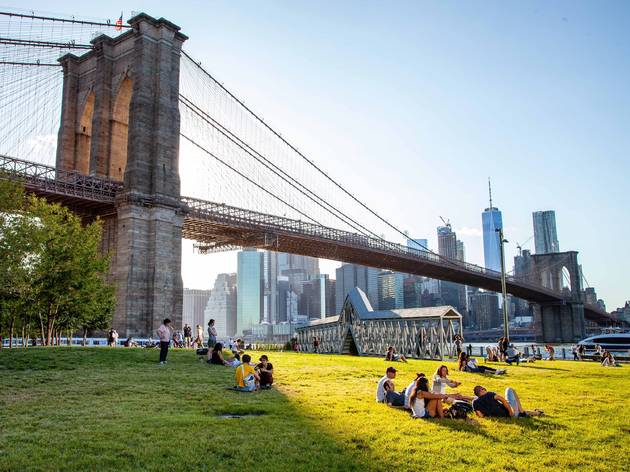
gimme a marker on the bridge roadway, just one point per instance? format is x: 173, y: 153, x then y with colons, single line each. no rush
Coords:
x: 218, y: 226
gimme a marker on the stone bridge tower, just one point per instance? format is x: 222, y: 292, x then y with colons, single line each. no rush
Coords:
x: 563, y: 321
x: 120, y: 120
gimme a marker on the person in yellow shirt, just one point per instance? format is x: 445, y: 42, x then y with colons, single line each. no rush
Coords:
x: 247, y: 378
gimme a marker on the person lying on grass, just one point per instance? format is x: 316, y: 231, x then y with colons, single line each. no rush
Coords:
x: 385, y: 390
x: 425, y: 404
x: 469, y: 364
x: 247, y: 379
x: 391, y: 356
x: 490, y: 404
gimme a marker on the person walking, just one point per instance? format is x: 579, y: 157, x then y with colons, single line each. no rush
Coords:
x: 199, y: 339
x: 212, y: 334
x: 164, y: 333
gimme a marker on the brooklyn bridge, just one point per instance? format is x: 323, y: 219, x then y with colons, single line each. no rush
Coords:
x: 124, y: 103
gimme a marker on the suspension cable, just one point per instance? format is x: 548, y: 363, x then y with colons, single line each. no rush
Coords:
x: 192, y: 141
x: 276, y: 170
x: 310, y: 162
x: 63, y: 20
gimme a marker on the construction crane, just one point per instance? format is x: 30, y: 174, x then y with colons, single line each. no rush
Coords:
x: 520, y: 246
x: 446, y: 222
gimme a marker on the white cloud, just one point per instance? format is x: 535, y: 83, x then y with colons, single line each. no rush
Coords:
x: 466, y: 231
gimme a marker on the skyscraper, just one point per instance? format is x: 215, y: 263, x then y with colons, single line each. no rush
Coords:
x: 194, y: 305
x: 485, y: 308
x: 390, y: 290
x: 222, y: 305
x: 297, y: 269
x: 461, y: 251
x: 418, y: 243
x: 447, y: 242
x: 491, y: 220
x: 350, y: 276
x: 270, y: 287
x: 545, y: 235
x: 249, y: 302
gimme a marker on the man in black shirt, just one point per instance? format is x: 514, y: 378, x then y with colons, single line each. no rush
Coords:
x: 265, y: 370
x: 493, y: 405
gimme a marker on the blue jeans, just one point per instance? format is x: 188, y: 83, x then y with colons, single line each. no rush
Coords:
x: 395, y: 398
x: 510, y: 396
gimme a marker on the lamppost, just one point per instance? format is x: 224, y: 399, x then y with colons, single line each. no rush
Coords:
x: 506, y: 330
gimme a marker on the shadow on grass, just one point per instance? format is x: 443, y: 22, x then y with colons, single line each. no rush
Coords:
x: 118, y: 410
x: 541, y: 424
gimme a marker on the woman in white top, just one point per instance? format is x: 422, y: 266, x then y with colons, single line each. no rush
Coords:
x: 425, y: 404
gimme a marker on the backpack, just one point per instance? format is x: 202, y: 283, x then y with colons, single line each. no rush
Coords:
x: 250, y: 380
x: 459, y: 410
x: 202, y: 351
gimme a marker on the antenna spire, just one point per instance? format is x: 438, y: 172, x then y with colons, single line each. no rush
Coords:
x: 490, y: 192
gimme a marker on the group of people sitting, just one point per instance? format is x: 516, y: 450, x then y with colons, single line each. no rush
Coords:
x: 248, y: 377
x: 425, y: 402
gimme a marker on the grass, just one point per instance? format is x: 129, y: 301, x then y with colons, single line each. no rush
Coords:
x: 117, y: 409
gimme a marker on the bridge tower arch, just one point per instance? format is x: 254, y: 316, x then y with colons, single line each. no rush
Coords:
x: 131, y: 84
x: 562, y: 321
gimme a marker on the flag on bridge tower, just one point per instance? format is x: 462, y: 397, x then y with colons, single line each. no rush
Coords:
x: 119, y: 22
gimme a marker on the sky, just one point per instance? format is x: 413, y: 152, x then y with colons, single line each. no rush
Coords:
x: 415, y: 104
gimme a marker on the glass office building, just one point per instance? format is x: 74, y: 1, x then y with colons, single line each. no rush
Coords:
x: 491, y: 220
x: 249, y: 300
x: 545, y: 234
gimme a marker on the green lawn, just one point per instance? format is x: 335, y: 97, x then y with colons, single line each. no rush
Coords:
x: 117, y: 409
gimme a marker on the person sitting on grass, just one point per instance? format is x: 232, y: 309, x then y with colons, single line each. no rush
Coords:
x: 215, y: 356
x: 265, y: 371
x: 385, y: 390
x: 512, y: 355
x: 469, y: 364
x: 441, y: 381
x: 409, y: 389
x: 247, y: 380
x: 391, y: 356
x: 425, y: 404
x: 130, y: 342
x: 490, y: 404
x: 491, y: 354
x: 608, y: 360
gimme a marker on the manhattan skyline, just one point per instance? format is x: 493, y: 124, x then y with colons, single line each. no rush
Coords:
x: 431, y: 99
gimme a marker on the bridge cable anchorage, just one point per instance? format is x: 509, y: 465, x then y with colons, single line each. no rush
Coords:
x: 193, y: 142
x: 277, y: 170
x: 309, y: 161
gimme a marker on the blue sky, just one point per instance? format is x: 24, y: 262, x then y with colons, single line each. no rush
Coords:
x: 425, y: 100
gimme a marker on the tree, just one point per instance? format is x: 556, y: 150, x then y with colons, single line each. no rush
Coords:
x: 51, y: 271
x: 70, y: 275
x: 16, y: 254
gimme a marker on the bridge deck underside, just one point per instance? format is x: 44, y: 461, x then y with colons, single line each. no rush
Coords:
x: 222, y: 226
x: 268, y: 238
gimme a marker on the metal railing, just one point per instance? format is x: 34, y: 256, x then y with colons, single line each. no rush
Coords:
x: 70, y: 183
